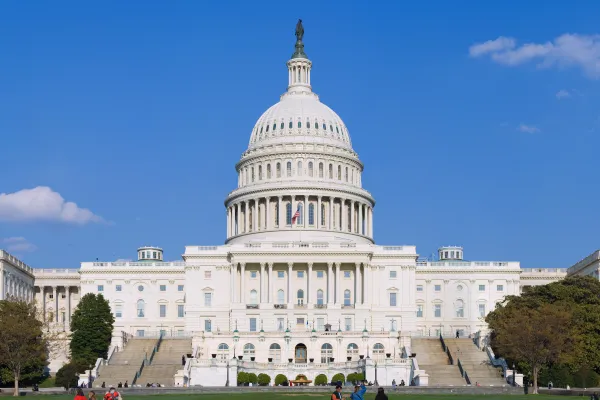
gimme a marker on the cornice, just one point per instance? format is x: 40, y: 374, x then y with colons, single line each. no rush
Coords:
x: 283, y: 188
x: 465, y: 271
x: 106, y: 271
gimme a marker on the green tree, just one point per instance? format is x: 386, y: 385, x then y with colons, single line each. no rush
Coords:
x: 252, y: 378
x: 91, y: 327
x: 339, y: 377
x: 67, y: 376
x: 242, y: 378
x: 280, y: 379
x: 23, y: 345
x: 321, y: 379
x: 264, y: 379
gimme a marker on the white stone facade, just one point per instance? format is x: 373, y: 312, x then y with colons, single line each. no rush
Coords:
x: 16, y: 278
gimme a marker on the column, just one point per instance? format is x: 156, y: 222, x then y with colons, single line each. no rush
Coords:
x: 330, y: 283
x: 360, y: 219
x: 358, y: 280
x: 255, y: 216
x: 370, y: 222
x: 352, y: 222
x: 268, y: 213
x: 318, y: 219
x: 233, y: 284
x: 367, y: 278
x: 228, y: 222
x: 270, y: 298
x: 43, y: 291
x: 262, y: 285
x: 55, y: 293
x: 330, y: 213
x: 68, y: 289
x: 338, y: 283
x: 344, y: 216
x: 308, y: 283
x: 243, y: 283
x: 279, y: 206
x: 246, y: 216
x: 289, y: 281
x: 236, y: 219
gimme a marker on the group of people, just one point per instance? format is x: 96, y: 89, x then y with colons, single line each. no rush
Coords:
x: 111, y: 394
x: 120, y: 385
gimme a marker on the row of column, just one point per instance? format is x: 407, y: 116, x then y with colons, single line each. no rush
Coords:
x: 299, y: 74
x: 13, y: 286
x: 333, y: 294
x: 55, y: 292
x: 353, y: 216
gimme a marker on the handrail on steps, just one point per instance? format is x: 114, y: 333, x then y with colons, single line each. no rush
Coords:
x: 146, y: 360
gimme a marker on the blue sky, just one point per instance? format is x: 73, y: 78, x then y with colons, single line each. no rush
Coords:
x: 138, y: 111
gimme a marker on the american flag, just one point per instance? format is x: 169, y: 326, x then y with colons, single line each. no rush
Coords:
x: 296, y: 215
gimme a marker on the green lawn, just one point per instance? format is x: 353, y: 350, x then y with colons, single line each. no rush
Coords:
x: 306, y: 396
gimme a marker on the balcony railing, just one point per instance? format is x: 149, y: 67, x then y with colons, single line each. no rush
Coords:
x: 299, y: 305
x: 348, y: 306
x: 252, y: 306
x: 320, y: 305
x: 280, y: 306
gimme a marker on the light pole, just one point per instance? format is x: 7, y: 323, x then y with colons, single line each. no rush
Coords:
x: 514, y: 383
x: 227, y: 382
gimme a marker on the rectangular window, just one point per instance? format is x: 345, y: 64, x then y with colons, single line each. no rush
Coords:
x: 392, y: 274
x: 300, y: 274
x: 500, y: 288
x: 437, y: 311
x: 419, y: 310
x: 63, y: 317
x: 118, y: 311
x: 207, y: 299
x: 180, y: 288
x: 118, y: 288
x: 346, y: 274
x: 207, y: 325
x: 320, y: 274
x: 253, y: 274
x: 101, y: 288
x: 437, y: 288
x: 392, y: 299
x: 163, y: 310
x: 207, y: 274
x: 419, y: 288
x: 482, y: 310
x: 50, y: 296
x: 140, y: 333
x: 280, y: 324
x: 280, y: 274
x: 180, y: 311
x: 482, y: 288
x: 163, y: 288
x: 348, y: 324
x: 300, y: 321
x: 252, y: 324
x: 320, y: 324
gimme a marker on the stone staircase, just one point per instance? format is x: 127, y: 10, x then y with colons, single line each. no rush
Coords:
x: 124, y: 364
x: 436, y: 364
x: 475, y: 362
x: 166, y: 362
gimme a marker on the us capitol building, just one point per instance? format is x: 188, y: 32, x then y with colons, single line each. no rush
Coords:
x: 299, y: 281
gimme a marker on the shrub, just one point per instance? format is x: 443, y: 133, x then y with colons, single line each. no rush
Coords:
x: 242, y: 378
x: 280, y: 379
x: 338, y: 377
x: 321, y: 379
x: 252, y: 378
x: 264, y: 379
x: 357, y: 377
x: 67, y: 377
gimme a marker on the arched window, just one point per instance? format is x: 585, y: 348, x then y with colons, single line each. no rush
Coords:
x: 268, y: 171
x: 249, y: 350
x: 290, y: 124
x: 275, y: 352
x: 282, y: 125
x: 326, y: 353
x: 277, y: 214
x: 378, y: 351
x: 288, y: 214
x: 299, y: 123
x: 275, y: 126
x: 324, y: 126
x: 346, y: 174
x: 311, y: 214
x: 260, y: 172
x: 319, y: 297
x: 349, y: 219
x: 322, y: 214
x: 300, y: 219
x: 278, y: 168
x: 280, y: 297
x: 347, y: 298
x: 330, y: 171
x: 339, y: 174
x: 252, y: 169
x: 320, y: 170
x: 267, y: 128
x: 223, y: 351
x: 299, y: 168
x: 352, y: 350
x: 316, y: 124
x: 250, y: 219
x: 300, y: 297
x: 141, y: 306
x: 310, y: 169
x: 253, y: 297
x: 308, y: 124
x: 289, y: 169
x: 460, y: 309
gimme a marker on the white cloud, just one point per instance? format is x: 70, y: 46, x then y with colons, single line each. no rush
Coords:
x: 528, y: 128
x: 563, y: 94
x: 42, y: 204
x: 567, y: 50
x: 19, y: 244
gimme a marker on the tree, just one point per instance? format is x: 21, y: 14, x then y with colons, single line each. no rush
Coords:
x: 280, y: 379
x: 242, y: 378
x: 539, y: 336
x: 22, y: 341
x: 338, y: 377
x: 264, y: 379
x: 91, y: 327
x: 252, y: 378
x: 321, y: 379
x: 67, y: 376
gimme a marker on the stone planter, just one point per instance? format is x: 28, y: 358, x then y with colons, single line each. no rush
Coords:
x: 331, y: 359
x: 252, y: 358
x: 214, y: 355
x: 388, y: 355
x: 290, y: 359
x: 240, y: 357
x: 311, y: 360
x: 270, y: 359
x: 361, y: 357
x: 349, y: 358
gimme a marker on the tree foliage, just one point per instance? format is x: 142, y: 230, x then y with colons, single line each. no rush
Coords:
x: 280, y: 379
x: 23, y: 346
x: 264, y: 379
x: 321, y: 379
x: 252, y: 378
x: 242, y: 378
x: 67, y: 377
x: 91, y: 327
x: 338, y: 377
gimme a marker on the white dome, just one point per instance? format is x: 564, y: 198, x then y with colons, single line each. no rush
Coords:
x: 300, y: 117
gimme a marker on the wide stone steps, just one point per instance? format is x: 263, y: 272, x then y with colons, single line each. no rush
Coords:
x: 124, y: 364
x: 475, y: 362
x: 436, y: 364
x: 166, y: 362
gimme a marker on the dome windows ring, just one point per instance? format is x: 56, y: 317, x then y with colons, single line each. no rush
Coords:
x: 282, y: 125
x: 299, y: 124
x: 290, y: 124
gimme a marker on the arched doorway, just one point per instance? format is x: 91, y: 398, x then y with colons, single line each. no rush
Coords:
x: 300, y: 353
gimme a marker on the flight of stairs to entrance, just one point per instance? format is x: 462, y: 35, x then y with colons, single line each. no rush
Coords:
x: 436, y: 364
x: 166, y: 362
x: 475, y: 362
x: 125, y: 363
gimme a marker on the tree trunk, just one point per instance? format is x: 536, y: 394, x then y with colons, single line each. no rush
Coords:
x: 16, y: 393
x: 535, y: 371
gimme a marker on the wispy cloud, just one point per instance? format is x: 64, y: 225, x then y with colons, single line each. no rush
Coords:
x: 18, y: 244
x: 563, y: 94
x: 43, y: 204
x: 567, y: 50
x: 528, y: 128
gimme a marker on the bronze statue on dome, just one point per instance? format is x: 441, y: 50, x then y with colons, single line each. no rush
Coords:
x: 299, y: 31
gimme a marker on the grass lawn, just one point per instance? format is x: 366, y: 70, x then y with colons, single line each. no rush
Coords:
x: 305, y: 396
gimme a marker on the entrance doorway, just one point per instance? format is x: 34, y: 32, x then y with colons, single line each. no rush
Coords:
x: 300, y: 353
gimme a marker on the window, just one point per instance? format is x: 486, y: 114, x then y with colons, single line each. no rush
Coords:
x: 140, y: 308
x: 308, y: 124
x: 326, y: 353
x: 207, y: 274
x: 324, y: 127
x: 260, y: 172
x: 481, y: 310
x: 139, y: 333
x: 101, y: 288
x: 163, y: 288
x: 299, y: 171
x: 378, y: 351
x: 419, y: 310
x: 140, y: 288
x: 278, y: 168
x: 253, y: 297
x: 162, y: 310
x: 222, y: 351
x: 419, y: 288
x: 252, y: 170
x: 118, y: 311
x: 300, y: 219
x: 300, y: 296
x: 180, y: 288
x: 300, y: 274
x: 320, y: 274
x: 268, y: 171
x: 280, y: 324
x: 339, y: 172
x: 253, y: 274
x: 207, y: 299
x: 276, y: 214
x: 282, y: 125
x: 288, y: 214
x: 118, y: 288
x: 346, y: 174
x: 280, y: 297
x: 319, y: 297
x: 346, y: 274
x: 392, y: 274
x: 207, y: 325
x: 348, y: 324
x: 275, y: 352
x: 320, y: 170
x: 299, y: 123
x: 322, y: 214
x: 320, y: 324
x: 281, y: 274
x: 330, y: 171
x: 460, y: 309
x: 437, y: 288
x: 289, y: 169
x: 352, y: 350
x: 252, y: 324
x: 300, y: 321
x: 500, y: 288
x: 482, y: 288
x: 347, y: 299
x: 311, y: 214
x: 392, y: 299
x: 310, y: 169
x: 180, y: 311
x: 437, y: 310
x: 249, y: 350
